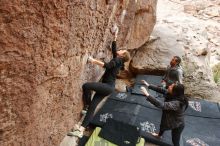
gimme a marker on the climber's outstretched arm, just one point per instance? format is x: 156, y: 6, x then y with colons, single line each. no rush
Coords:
x: 95, y: 61
x: 114, y: 46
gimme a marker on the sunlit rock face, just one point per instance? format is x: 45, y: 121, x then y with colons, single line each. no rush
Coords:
x: 44, y: 46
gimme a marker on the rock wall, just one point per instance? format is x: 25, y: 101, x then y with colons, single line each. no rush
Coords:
x: 44, y: 46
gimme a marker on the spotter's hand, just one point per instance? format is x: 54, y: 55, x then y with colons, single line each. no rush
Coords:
x: 144, y: 82
x: 144, y: 90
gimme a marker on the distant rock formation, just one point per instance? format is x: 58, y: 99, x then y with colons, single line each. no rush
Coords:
x: 193, y: 37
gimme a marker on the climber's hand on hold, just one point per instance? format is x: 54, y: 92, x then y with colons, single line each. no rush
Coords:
x: 91, y: 60
x: 114, y: 31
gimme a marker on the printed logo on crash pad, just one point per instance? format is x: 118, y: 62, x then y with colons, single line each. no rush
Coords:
x: 195, y: 105
x: 148, y: 127
x: 104, y: 117
x: 127, y: 142
x: 121, y: 95
x: 196, y: 142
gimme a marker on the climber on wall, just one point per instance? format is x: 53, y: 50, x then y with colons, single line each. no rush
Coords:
x: 173, y: 108
x: 104, y: 88
x: 174, y: 72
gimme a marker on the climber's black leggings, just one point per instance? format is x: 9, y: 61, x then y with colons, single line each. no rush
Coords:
x: 102, y: 90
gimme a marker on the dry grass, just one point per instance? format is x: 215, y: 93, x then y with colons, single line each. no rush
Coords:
x: 216, y: 73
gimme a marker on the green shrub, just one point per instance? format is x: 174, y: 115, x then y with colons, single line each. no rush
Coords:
x: 216, y: 73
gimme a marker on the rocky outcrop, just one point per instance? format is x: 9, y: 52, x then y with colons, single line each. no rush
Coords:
x: 193, y: 36
x: 138, y: 24
x: 199, y: 79
x: 154, y: 56
x: 44, y: 46
x: 207, y: 10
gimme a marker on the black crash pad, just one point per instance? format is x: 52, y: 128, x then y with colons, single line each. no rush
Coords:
x: 202, y: 119
x: 151, y: 79
x: 147, y: 118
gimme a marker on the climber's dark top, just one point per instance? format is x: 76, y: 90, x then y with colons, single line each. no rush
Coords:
x: 112, y: 67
